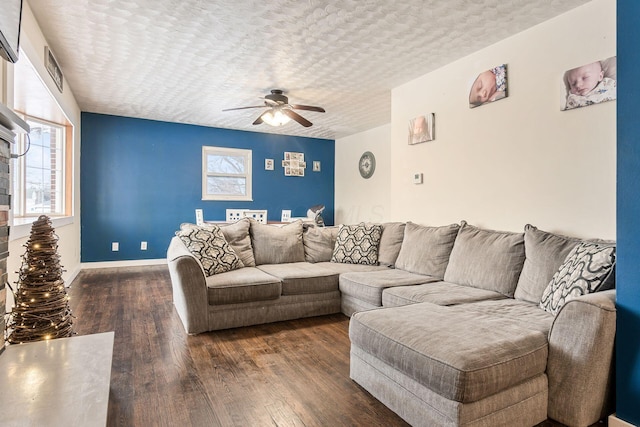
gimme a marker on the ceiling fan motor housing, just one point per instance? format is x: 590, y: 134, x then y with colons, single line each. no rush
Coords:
x: 277, y: 96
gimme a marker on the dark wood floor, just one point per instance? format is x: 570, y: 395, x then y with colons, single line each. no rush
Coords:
x: 284, y: 374
x: 292, y: 373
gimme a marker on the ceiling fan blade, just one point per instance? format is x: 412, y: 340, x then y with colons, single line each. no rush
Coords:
x: 259, y: 119
x: 308, y: 107
x: 297, y: 117
x: 244, y: 108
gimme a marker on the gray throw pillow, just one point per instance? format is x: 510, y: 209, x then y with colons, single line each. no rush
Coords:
x: 426, y: 250
x: 277, y: 245
x: 209, y: 247
x: 486, y: 259
x: 319, y: 243
x: 357, y: 244
x: 585, y: 270
x: 390, y: 243
x: 544, y: 253
x: 237, y: 234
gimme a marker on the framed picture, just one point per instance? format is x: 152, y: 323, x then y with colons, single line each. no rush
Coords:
x: 489, y: 86
x: 316, y: 166
x: 590, y: 84
x: 53, y: 68
x: 421, y: 129
x: 293, y: 164
x: 268, y: 164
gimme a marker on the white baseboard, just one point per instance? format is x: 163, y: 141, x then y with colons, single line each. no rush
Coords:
x: 70, y: 276
x: 116, y: 264
x: 617, y: 422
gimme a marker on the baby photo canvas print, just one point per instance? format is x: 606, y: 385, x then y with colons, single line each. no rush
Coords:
x: 590, y: 84
x: 489, y: 86
x: 421, y: 129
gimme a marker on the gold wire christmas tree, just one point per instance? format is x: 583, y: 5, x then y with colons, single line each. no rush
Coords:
x: 41, y: 309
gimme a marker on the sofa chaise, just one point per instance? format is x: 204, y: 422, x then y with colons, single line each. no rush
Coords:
x: 453, y: 325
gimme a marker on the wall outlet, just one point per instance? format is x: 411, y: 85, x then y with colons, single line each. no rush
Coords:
x: 143, y: 246
x: 115, y: 246
x: 286, y: 215
x: 199, y: 217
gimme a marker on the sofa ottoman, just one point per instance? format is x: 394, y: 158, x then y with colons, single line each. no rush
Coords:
x: 464, y: 368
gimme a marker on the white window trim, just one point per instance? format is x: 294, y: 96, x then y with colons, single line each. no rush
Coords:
x: 206, y: 150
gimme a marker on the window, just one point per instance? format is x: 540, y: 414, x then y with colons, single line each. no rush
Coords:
x: 39, y: 175
x: 226, y: 174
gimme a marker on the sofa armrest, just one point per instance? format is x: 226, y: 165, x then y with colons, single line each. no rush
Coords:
x: 581, y: 359
x: 189, y: 287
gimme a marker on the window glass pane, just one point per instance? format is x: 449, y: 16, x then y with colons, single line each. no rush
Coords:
x: 222, y: 164
x: 226, y: 186
x: 39, y: 175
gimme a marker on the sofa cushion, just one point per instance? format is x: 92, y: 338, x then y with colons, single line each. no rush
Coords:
x: 390, y: 243
x: 368, y: 286
x: 319, y: 243
x: 303, y: 277
x: 522, y: 313
x: 544, y: 253
x: 357, y: 244
x: 210, y: 248
x: 426, y: 250
x: 454, y: 354
x: 584, y: 271
x: 277, y: 245
x: 239, y: 286
x: 486, y: 259
x: 237, y: 234
x: 339, y: 268
x: 440, y: 293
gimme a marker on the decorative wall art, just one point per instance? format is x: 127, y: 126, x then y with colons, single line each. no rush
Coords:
x: 489, y: 86
x: 268, y: 164
x: 293, y: 164
x: 590, y: 84
x: 421, y: 129
x: 316, y: 166
x: 53, y: 68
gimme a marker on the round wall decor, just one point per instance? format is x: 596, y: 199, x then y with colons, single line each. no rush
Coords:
x: 367, y: 164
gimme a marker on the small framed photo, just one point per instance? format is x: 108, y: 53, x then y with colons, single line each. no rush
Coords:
x: 268, y: 164
x: 421, y: 129
x: 316, y: 166
x: 489, y: 86
x: 53, y: 68
x: 590, y: 84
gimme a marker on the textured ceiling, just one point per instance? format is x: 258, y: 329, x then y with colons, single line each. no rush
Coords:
x: 187, y: 60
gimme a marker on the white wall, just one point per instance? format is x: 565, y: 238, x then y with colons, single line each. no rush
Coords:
x: 358, y: 199
x: 518, y: 160
x: 32, y: 42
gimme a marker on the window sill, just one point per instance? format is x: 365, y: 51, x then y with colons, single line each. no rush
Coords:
x: 22, y: 226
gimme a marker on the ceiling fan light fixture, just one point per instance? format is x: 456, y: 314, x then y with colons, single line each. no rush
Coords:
x: 275, y: 117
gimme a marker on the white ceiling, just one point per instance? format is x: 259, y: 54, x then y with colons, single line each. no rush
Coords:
x: 187, y: 60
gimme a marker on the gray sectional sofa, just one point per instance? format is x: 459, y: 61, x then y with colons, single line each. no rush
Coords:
x: 450, y: 326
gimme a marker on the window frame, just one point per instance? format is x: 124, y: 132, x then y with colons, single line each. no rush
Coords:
x: 19, y: 172
x: 248, y: 175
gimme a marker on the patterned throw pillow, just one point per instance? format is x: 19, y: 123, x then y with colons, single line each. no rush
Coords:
x: 357, y: 244
x: 584, y: 271
x: 209, y: 246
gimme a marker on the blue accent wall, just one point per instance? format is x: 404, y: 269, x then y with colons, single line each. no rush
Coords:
x: 140, y: 179
x: 628, y: 214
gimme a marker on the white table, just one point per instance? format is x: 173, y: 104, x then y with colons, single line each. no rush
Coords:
x: 62, y: 382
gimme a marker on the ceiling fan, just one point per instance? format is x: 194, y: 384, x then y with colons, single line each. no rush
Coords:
x: 280, y: 111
